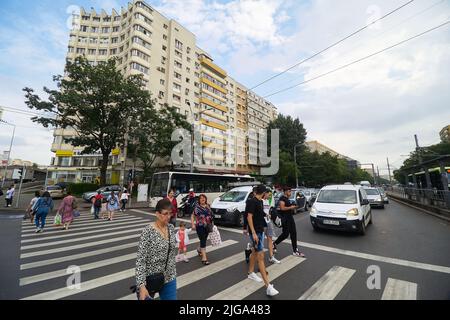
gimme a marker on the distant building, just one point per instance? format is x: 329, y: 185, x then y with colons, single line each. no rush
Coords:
x: 314, y: 146
x: 445, y: 134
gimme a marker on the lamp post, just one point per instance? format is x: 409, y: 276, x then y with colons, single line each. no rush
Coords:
x: 295, y: 161
x: 9, y: 153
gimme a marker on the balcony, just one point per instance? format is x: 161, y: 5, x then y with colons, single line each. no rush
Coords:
x: 208, y: 63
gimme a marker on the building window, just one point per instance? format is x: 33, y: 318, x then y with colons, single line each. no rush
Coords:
x: 102, y: 52
x: 176, y: 87
x: 178, y: 44
x: 113, y: 51
x: 92, y: 51
x: 105, y: 29
x: 178, y: 65
x: 164, y: 37
x: 177, y: 75
x: 164, y: 48
x: 176, y: 98
x: 161, y: 95
x: 94, y: 29
x: 84, y: 29
x: 71, y: 49
x: 162, y: 82
x: 137, y: 66
x: 140, y: 54
x: 165, y: 26
x: 81, y: 50
x: 178, y: 54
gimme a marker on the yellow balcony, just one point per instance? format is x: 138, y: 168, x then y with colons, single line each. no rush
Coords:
x: 64, y: 153
x: 213, y: 104
x: 213, y: 124
x: 215, y: 115
x: 208, y: 63
x: 215, y: 86
x: 207, y: 144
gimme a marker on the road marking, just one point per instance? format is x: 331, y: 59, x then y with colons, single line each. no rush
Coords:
x: 73, y: 224
x: 54, y: 243
x: 89, y: 285
x: 193, y: 276
x: 401, y: 262
x: 329, y: 285
x: 78, y: 246
x: 97, y: 264
x: 246, y: 287
x: 399, y: 290
x: 130, y: 225
x: 76, y: 256
x: 74, y: 230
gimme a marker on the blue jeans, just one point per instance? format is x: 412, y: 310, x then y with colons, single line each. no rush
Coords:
x: 168, y: 292
x: 40, y: 215
x: 96, y: 211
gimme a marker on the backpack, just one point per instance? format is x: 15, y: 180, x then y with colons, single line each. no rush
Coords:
x: 98, y: 203
x: 275, y: 216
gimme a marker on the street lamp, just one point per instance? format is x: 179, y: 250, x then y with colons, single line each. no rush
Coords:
x: 10, y: 147
x: 295, y: 161
x: 373, y: 170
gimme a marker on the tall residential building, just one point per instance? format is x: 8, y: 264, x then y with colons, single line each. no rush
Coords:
x: 314, y: 146
x: 445, y: 134
x: 177, y: 73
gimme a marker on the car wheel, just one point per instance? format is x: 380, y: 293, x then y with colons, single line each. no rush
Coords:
x: 382, y: 207
x: 362, y: 228
x: 316, y: 228
x: 371, y: 218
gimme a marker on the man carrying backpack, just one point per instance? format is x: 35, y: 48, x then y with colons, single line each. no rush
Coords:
x: 97, y: 204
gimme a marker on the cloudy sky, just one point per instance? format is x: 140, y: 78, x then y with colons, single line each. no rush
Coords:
x: 368, y: 111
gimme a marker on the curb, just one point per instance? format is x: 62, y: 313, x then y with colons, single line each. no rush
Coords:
x: 421, y: 209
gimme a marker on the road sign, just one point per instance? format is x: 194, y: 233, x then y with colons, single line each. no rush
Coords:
x: 142, y: 193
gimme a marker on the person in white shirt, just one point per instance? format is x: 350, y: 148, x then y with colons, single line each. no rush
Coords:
x: 124, y: 199
x: 9, y: 196
x: 182, y: 237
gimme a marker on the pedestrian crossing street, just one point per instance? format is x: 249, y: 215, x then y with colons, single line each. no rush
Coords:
x: 105, y: 252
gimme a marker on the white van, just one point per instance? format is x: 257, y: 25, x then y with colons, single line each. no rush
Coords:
x: 341, y: 207
x: 229, y: 208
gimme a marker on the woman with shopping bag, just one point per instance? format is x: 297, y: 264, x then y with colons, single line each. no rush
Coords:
x: 67, y: 210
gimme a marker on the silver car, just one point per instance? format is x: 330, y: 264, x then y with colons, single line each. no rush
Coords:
x: 384, y: 195
x: 375, y: 198
x: 56, y: 192
x: 105, y: 191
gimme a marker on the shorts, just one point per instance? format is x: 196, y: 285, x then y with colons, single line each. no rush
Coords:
x: 270, y: 231
x: 260, y: 246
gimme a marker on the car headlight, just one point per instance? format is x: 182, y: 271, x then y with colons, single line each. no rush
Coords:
x: 378, y: 199
x: 232, y: 209
x: 313, y: 210
x: 352, y: 212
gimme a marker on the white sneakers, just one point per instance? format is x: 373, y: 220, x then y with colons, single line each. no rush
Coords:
x: 274, y: 260
x: 253, y: 276
x: 271, y: 291
x: 39, y: 230
x: 298, y: 254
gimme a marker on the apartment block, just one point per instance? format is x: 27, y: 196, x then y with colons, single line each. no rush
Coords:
x: 177, y: 73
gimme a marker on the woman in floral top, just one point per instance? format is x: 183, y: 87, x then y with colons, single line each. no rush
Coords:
x: 152, y: 254
x: 202, y: 216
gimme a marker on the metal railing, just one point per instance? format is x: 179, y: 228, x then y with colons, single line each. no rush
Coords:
x: 431, y: 197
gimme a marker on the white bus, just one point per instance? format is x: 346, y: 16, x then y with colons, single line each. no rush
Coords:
x: 212, y: 185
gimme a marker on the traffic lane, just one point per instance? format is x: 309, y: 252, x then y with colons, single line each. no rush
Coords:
x: 9, y: 255
x: 293, y: 284
x: 397, y: 231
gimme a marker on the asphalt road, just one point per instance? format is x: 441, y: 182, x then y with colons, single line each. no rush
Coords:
x: 408, y: 247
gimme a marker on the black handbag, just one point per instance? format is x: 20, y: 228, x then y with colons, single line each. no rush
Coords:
x: 155, y: 282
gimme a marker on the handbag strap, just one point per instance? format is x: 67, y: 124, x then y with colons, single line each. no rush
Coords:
x: 168, y: 251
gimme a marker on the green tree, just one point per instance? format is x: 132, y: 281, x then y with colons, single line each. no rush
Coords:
x: 98, y: 102
x: 292, y: 132
x: 152, y: 139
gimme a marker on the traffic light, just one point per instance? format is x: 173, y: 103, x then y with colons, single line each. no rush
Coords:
x: 130, y: 174
x: 20, y: 172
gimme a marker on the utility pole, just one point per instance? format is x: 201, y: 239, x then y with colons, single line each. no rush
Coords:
x: 9, y: 152
x: 125, y: 150
x: 374, y: 175
x: 389, y: 170
x: 378, y: 174
x: 295, y: 161
x: 20, y: 185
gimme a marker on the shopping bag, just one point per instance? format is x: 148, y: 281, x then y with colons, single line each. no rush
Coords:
x: 215, y: 238
x: 76, y: 213
x: 57, y: 220
x: 92, y: 209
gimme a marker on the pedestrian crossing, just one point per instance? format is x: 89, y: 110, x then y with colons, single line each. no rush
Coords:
x: 105, y: 252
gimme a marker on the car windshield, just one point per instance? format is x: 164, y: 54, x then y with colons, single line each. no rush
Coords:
x: 372, y: 192
x: 337, y: 196
x: 54, y: 188
x: 233, y: 196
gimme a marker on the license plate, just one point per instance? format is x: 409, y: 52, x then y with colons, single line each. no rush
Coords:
x: 333, y: 222
x: 217, y: 216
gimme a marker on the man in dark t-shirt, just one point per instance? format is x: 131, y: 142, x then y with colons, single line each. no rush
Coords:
x: 286, y: 210
x: 256, y: 224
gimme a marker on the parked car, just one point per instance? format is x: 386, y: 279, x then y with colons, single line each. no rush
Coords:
x: 56, y: 192
x: 105, y: 191
x: 298, y: 197
x: 310, y: 195
x: 375, y: 197
x: 341, y: 207
x: 384, y: 195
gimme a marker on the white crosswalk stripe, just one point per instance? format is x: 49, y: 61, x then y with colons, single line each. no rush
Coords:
x: 112, y: 245
x: 329, y: 286
x: 399, y: 290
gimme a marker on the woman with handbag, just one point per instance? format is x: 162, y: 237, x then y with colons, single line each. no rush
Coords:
x: 201, y: 221
x: 66, y: 210
x: 155, y: 262
x: 42, y: 207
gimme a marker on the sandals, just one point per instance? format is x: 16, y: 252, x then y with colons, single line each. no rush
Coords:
x: 199, y: 253
x: 205, y: 262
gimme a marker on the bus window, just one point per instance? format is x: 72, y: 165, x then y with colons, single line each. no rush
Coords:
x: 159, y: 185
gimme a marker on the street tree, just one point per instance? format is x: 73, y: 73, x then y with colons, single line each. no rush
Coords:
x: 98, y: 102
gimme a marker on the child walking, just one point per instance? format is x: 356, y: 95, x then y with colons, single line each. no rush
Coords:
x: 182, y: 237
